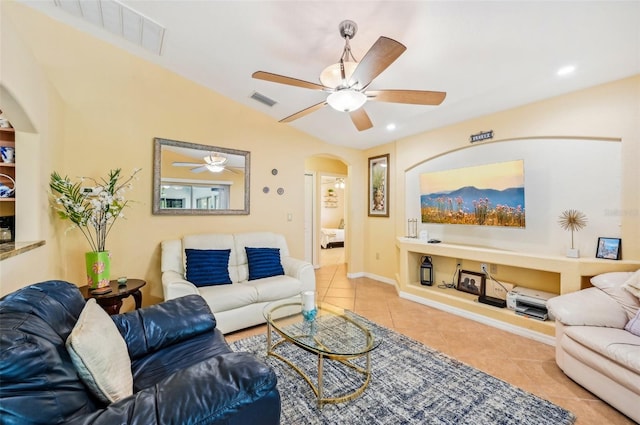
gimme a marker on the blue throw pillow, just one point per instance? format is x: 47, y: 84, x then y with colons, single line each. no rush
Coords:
x: 206, y: 267
x: 263, y: 262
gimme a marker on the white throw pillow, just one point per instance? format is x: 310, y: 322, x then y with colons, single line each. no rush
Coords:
x: 633, y: 284
x: 611, y: 283
x: 100, y: 354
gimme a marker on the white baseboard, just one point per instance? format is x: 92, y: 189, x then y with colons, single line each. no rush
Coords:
x: 546, y: 339
x: 372, y: 276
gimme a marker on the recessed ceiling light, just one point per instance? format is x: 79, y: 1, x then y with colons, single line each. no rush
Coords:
x: 566, y: 70
x: 391, y: 127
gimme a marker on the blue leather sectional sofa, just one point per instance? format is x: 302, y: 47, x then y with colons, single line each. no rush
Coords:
x: 183, y: 370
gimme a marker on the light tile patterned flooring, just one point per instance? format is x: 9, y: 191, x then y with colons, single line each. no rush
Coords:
x: 520, y: 361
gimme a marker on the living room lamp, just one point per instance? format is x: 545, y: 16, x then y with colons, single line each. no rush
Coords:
x: 426, y: 271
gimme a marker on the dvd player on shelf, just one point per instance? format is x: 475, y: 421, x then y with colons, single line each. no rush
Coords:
x: 496, y: 302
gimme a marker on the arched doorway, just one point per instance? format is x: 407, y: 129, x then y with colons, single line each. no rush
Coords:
x: 326, y: 206
x: 332, y: 218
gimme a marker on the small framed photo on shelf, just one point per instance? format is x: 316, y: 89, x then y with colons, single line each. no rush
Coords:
x: 609, y: 248
x: 470, y: 282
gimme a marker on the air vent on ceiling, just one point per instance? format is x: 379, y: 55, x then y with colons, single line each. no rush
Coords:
x: 118, y: 19
x: 263, y: 99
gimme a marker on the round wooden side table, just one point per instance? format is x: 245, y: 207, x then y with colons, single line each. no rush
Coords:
x: 112, y: 301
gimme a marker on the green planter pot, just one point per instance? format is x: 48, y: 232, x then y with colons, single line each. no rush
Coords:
x: 98, y: 269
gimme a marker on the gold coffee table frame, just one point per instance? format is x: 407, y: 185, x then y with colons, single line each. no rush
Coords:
x: 290, y: 313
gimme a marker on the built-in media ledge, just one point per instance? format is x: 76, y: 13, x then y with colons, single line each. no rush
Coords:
x: 549, y: 273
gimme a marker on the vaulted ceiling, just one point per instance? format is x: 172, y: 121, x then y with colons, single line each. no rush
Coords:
x: 487, y: 55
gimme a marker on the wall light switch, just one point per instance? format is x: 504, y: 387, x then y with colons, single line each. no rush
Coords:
x: 289, y: 217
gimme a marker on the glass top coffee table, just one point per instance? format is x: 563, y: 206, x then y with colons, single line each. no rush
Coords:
x: 333, y: 334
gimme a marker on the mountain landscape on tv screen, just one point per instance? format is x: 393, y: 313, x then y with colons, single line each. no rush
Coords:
x: 470, y: 205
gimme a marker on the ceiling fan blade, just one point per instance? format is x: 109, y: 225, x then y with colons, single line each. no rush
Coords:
x: 186, y: 164
x: 281, y: 79
x: 415, y: 97
x: 382, y: 54
x: 304, y: 112
x: 361, y: 119
x: 199, y: 169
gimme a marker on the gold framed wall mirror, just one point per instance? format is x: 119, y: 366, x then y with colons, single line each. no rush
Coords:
x: 195, y: 179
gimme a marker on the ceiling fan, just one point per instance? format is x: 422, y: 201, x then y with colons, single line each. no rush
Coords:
x: 347, y: 81
x: 214, y: 162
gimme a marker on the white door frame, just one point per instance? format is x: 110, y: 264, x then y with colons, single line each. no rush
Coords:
x: 310, y: 219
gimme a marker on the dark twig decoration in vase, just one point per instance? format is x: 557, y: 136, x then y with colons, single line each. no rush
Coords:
x: 573, y: 220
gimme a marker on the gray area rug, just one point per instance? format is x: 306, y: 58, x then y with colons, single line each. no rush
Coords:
x: 410, y: 384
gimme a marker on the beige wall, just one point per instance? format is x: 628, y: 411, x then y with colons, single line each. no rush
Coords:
x: 379, y: 236
x: 34, y: 108
x: 609, y: 111
x: 111, y: 106
x: 326, y: 165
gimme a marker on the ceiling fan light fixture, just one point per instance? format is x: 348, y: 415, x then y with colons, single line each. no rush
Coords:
x: 215, y: 159
x: 346, y: 100
x: 214, y: 168
x: 332, y: 77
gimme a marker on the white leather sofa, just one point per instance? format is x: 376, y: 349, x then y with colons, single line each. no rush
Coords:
x: 240, y: 304
x: 592, y: 346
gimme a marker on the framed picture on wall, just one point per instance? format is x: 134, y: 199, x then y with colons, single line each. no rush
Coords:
x: 470, y: 282
x: 379, y: 186
x: 609, y: 248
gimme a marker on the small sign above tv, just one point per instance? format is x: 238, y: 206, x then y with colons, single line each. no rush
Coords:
x: 483, y: 135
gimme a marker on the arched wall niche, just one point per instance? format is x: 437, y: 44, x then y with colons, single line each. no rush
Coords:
x: 13, y: 111
x: 559, y: 174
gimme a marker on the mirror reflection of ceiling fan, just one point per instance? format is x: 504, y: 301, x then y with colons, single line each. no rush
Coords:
x: 214, y: 162
x: 347, y: 81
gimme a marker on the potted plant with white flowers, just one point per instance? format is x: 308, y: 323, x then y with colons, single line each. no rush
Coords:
x: 93, y: 208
